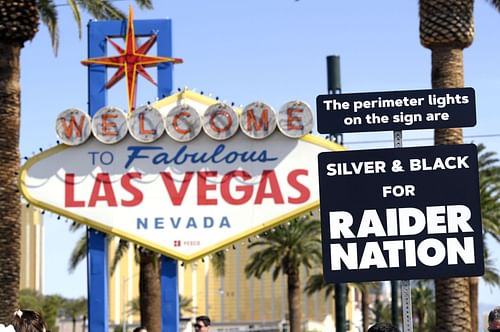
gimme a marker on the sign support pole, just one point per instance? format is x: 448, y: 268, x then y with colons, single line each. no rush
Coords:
x: 97, y: 273
x: 405, y: 284
x: 97, y: 257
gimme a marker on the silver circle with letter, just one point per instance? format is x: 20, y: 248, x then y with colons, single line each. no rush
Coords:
x: 295, y: 119
x: 73, y: 126
x: 145, y: 124
x: 220, y: 121
x: 183, y: 123
x: 258, y: 120
x: 109, y: 125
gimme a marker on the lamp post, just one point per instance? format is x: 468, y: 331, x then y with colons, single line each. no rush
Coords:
x: 334, y: 87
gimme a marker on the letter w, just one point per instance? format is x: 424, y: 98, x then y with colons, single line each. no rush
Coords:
x: 68, y: 128
x: 177, y: 196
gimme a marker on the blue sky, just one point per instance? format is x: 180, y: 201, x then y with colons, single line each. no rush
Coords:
x: 272, y: 51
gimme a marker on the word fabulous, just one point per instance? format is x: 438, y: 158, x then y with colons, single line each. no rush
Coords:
x: 184, y: 122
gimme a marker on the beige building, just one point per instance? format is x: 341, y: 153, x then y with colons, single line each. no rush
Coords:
x: 233, y: 302
x: 32, y: 254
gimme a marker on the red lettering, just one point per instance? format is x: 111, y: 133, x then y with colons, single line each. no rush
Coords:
x: 291, y: 119
x: 176, y: 196
x: 108, y: 128
x: 204, y: 187
x: 176, y: 126
x: 247, y: 190
x: 102, y: 180
x: 213, y: 122
x: 142, y: 130
x: 252, y: 120
x: 268, y: 176
x: 69, y: 192
x: 137, y: 195
x: 293, y: 181
x: 68, y: 129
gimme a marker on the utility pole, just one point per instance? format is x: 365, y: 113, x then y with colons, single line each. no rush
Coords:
x: 334, y: 87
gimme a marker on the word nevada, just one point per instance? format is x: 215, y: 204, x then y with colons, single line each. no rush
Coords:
x: 183, y: 122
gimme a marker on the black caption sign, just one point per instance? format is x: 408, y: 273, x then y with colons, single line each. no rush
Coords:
x: 400, y: 214
x: 398, y: 110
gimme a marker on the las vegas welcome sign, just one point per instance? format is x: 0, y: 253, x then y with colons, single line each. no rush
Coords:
x: 184, y: 177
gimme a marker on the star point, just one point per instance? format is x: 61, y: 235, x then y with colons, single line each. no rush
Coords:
x: 132, y: 60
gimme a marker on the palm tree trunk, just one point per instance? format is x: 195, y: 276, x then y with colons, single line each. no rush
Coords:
x: 10, y: 206
x: 150, y: 291
x: 474, y: 302
x: 452, y: 305
x: 452, y: 295
x: 365, y: 309
x: 294, y: 309
x: 447, y: 72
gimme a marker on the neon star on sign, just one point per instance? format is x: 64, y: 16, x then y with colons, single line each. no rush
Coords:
x: 131, y: 61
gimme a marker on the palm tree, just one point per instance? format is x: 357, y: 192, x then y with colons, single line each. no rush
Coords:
x: 381, y: 311
x: 489, y: 189
x: 316, y: 283
x: 446, y: 28
x: 149, y: 277
x: 76, y: 308
x: 285, y: 249
x: 18, y: 24
x: 422, y: 299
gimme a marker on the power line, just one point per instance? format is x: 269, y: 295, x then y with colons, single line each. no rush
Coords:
x: 78, y: 2
x: 418, y: 139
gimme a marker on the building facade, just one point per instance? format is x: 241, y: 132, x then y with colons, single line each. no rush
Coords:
x: 233, y: 302
x: 32, y: 254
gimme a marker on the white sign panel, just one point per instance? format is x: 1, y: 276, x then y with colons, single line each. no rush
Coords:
x: 183, y: 199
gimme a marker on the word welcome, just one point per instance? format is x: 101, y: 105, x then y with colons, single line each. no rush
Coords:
x: 183, y: 123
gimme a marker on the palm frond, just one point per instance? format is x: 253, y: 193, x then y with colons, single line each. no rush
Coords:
x: 75, y: 226
x: 101, y: 9
x: 76, y: 14
x: 79, y: 252
x: 489, y: 189
x: 490, y: 277
x: 120, y: 250
x: 145, y: 4
x: 219, y: 263
x: 48, y: 16
x: 316, y: 283
x: 285, y: 248
x: 496, y: 4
